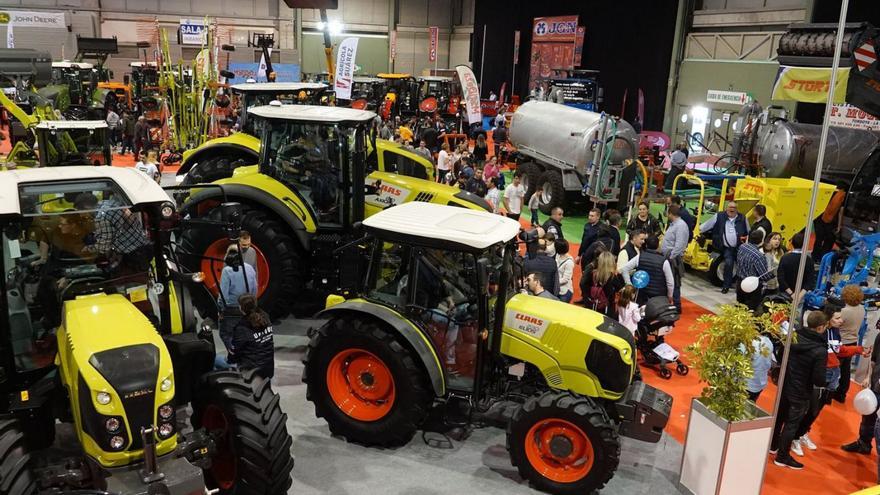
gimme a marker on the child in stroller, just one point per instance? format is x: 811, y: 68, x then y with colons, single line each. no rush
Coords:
x: 658, y: 319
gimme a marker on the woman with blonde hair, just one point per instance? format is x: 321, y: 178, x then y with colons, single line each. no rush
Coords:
x: 773, y: 251
x: 600, y: 283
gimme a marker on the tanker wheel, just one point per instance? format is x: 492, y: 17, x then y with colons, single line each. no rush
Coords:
x: 279, y: 266
x: 554, y: 191
x: 716, y: 271
x: 563, y: 444
x: 530, y: 177
x: 210, y: 170
x: 367, y: 385
x: 244, y: 416
x: 16, y: 477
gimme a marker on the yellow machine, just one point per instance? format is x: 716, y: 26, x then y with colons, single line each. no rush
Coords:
x: 787, y: 202
x: 439, y: 329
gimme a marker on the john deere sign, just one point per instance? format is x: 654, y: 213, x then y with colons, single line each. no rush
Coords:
x: 33, y: 19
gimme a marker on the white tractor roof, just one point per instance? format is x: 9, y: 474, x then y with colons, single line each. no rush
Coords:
x: 476, y: 229
x: 67, y: 64
x: 312, y: 113
x: 435, y: 78
x: 139, y: 188
x: 368, y: 79
x: 270, y: 87
x: 72, y: 124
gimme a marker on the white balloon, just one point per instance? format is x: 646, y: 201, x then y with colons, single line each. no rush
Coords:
x: 865, y: 402
x: 749, y: 284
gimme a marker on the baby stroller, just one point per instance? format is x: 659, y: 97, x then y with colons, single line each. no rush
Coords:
x: 658, y: 319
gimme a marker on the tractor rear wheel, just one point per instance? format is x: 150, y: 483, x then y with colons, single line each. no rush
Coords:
x: 16, y: 477
x: 253, y: 447
x: 530, y: 177
x: 563, y: 443
x: 210, y: 170
x: 279, y: 267
x: 716, y: 271
x: 554, y: 191
x: 365, y: 382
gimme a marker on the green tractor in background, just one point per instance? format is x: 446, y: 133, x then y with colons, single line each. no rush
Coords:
x: 303, y: 201
x: 117, y: 343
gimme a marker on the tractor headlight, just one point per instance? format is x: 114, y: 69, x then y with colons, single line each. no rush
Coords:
x: 198, y: 277
x: 117, y: 442
x: 112, y: 425
x: 166, y: 385
x: 166, y: 430
x: 103, y: 398
x: 166, y: 411
x: 167, y: 210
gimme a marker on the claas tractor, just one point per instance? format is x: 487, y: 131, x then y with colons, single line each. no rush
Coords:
x: 312, y: 185
x: 102, y: 331
x: 439, y: 337
x: 62, y: 142
x: 217, y: 158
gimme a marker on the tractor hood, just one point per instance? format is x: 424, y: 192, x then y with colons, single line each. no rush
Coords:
x: 575, y: 348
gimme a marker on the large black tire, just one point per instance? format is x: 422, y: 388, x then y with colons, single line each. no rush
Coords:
x: 256, y: 436
x: 210, y: 170
x: 586, y: 415
x: 16, y: 477
x: 282, y: 253
x: 411, y: 396
x: 554, y: 191
x: 530, y: 176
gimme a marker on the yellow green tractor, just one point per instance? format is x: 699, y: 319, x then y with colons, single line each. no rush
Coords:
x: 439, y: 335
x: 312, y: 185
x: 100, y: 330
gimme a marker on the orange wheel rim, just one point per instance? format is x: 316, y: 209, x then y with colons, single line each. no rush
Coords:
x: 212, y: 262
x: 361, y: 385
x: 559, y: 450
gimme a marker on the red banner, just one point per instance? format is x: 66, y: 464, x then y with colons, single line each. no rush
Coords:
x: 516, y: 35
x: 392, y: 44
x: 579, y: 45
x: 432, y: 46
x: 553, y: 46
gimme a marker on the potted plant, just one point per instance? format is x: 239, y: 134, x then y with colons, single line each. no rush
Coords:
x: 727, y: 434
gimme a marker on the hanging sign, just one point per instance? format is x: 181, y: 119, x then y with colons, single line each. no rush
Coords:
x: 193, y: 32
x: 345, y: 68
x: 729, y: 97
x: 553, y: 46
x: 432, y: 47
x: 516, y: 35
x: 853, y: 117
x: 33, y: 19
x: 809, y: 84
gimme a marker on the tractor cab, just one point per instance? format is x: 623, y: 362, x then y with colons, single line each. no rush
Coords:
x: 101, y: 330
x: 73, y: 142
x: 367, y: 93
x: 401, y: 96
x: 80, y: 78
x: 255, y: 94
x: 439, y: 94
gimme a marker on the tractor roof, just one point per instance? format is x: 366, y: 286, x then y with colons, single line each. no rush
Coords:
x: 392, y: 75
x: 312, y: 113
x: 67, y: 64
x: 139, y: 188
x: 441, y: 224
x: 275, y: 87
x: 435, y: 78
x: 72, y: 124
x: 367, y: 79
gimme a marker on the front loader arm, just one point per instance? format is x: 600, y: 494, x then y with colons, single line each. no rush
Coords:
x: 25, y: 118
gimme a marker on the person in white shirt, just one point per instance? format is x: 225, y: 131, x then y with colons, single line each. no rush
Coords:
x: 148, y: 166
x: 444, y: 162
x: 628, y: 313
x: 513, y: 198
x: 564, y: 269
x: 493, y: 195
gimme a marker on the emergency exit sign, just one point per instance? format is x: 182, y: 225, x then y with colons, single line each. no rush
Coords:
x: 729, y: 97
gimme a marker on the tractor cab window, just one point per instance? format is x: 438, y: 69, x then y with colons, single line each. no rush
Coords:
x: 73, y: 239
x: 310, y: 159
x: 388, y: 279
x: 74, y: 146
x: 500, y: 282
x: 447, y: 307
x: 397, y: 163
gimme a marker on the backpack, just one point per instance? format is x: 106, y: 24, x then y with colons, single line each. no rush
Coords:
x: 596, y: 298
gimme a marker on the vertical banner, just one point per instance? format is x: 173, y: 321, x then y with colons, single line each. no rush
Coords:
x: 392, y: 44
x: 516, y: 35
x: 261, y: 71
x: 345, y: 68
x: 10, y: 36
x: 432, y: 44
x: 471, y: 91
x: 553, y: 45
x: 579, y: 45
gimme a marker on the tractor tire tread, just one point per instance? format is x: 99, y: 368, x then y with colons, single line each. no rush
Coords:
x: 16, y: 477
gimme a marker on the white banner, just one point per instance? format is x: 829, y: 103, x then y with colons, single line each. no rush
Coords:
x: 471, y: 90
x: 10, y: 36
x: 345, y: 58
x: 193, y: 32
x: 261, y: 71
x: 853, y: 117
x: 33, y: 19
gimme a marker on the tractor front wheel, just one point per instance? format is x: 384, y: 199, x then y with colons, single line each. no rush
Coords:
x: 365, y: 382
x: 716, y: 271
x: 253, y: 446
x: 16, y: 477
x: 530, y: 178
x: 563, y: 443
x: 553, y: 194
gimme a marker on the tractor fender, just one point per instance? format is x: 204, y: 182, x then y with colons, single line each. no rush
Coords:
x: 413, y: 336
x: 291, y: 217
x: 219, y: 149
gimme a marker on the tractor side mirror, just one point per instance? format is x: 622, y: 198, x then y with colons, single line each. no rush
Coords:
x: 230, y: 213
x: 483, y: 275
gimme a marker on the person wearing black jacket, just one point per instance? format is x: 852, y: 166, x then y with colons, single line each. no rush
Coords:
x: 553, y: 225
x: 806, y: 370
x: 253, y: 345
x: 786, y: 274
x: 544, y: 264
x: 761, y: 222
x: 591, y: 233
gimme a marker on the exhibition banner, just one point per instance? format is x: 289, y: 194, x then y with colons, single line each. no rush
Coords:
x: 193, y: 32
x: 434, y: 32
x: 471, y: 91
x: 263, y: 66
x: 809, y: 84
x: 345, y: 58
x: 852, y: 117
x: 283, y: 72
x: 516, y: 35
x: 553, y: 46
x: 33, y: 19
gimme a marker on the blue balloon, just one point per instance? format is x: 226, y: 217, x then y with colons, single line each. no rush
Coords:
x: 640, y: 279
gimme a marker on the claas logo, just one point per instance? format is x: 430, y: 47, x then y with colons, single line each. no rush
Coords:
x: 529, y: 319
x: 389, y: 190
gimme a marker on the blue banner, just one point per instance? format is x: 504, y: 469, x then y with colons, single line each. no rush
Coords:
x: 283, y: 72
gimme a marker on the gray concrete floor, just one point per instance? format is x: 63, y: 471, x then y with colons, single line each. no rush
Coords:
x: 479, y: 464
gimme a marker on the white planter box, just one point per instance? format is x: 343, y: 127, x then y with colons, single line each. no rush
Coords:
x: 724, y: 458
